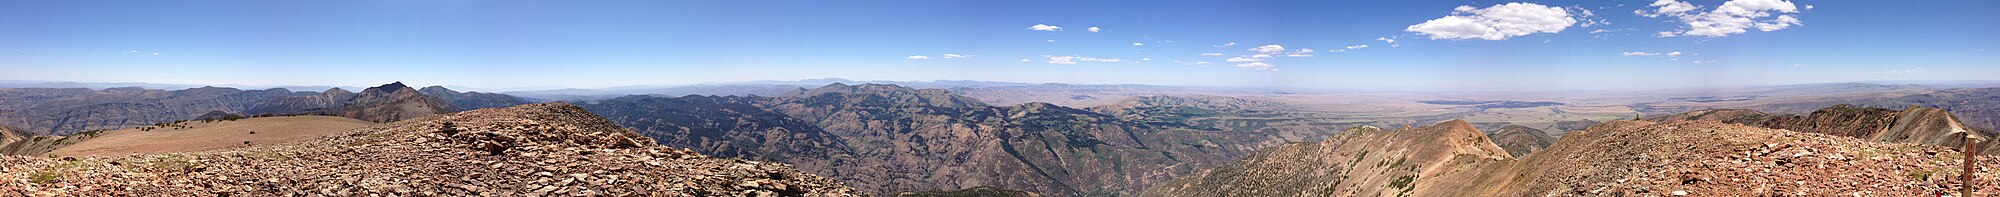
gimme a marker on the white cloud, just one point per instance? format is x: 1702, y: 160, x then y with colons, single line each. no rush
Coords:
x: 1666, y: 8
x: 1241, y: 59
x: 918, y: 57
x: 1357, y: 47
x: 1062, y: 60
x: 1146, y: 59
x: 1025, y: 60
x: 1643, y: 53
x: 1201, y: 63
x: 1602, y: 31
x: 1733, y: 17
x: 156, y: 53
x: 1261, y: 56
x: 1044, y: 27
x: 1211, y: 54
x: 1269, y: 49
x: 1497, y: 22
x: 1074, y: 59
x: 950, y: 56
x: 1386, y: 39
x: 1916, y: 70
x: 1230, y: 44
x: 1258, y: 66
x: 1138, y: 44
x: 1639, y: 54
x: 1095, y: 29
x: 1092, y: 59
x: 1301, y: 53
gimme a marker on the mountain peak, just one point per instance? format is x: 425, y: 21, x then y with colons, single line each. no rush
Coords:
x: 390, y: 88
x: 436, y: 89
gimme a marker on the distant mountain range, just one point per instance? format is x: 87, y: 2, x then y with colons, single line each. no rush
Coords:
x: 62, y: 111
x: 889, y: 138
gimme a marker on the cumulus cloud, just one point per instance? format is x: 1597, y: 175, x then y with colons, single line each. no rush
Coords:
x: 950, y: 56
x: 1357, y: 47
x: 1138, y: 44
x: 1639, y: 54
x: 1269, y: 49
x: 1092, y: 59
x: 918, y: 57
x: 1025, y: 60
x: 1094, y: 29
x: 1201, y: 63
x: 1733, y: 17
x: 1211, y: 54
x: 1497, y: 22
x: 1044, y: 27
x: 1258, y: 66
x: 1242, y: 59
x: 1386, y: 39
x: 1666, y: 8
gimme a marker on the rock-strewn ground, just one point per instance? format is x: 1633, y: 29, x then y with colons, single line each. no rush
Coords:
x: 536, y: 149
x: 1707, y: 158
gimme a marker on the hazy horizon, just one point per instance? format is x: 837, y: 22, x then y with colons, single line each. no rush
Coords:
x: 1551, y: 45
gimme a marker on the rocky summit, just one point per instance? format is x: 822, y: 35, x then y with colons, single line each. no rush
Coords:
x: 536, y: 149
x: 1913, y: 124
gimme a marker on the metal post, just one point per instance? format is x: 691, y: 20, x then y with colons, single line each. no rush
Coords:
x: 1971, y: 155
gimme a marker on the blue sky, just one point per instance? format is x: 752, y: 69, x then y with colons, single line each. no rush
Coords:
x: 584, y: 44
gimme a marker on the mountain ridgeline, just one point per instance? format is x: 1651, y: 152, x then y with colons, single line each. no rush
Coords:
x: 62, y: 111
x: 887, y: 139
x: 1840, y: 150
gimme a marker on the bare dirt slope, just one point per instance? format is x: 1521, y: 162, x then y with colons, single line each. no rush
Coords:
x: 212, y: 135
x: 1363, y: 161
x: 528, y: 150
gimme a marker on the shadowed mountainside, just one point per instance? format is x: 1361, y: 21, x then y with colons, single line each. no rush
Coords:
x: 70, y: 110
x: 386, y: 103
x: 887, y: 139
x: 1520, y: 140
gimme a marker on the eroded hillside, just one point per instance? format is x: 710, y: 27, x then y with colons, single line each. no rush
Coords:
x: 888, y: 139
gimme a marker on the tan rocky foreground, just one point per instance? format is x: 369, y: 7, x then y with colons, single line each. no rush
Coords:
x: 536, y: 149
